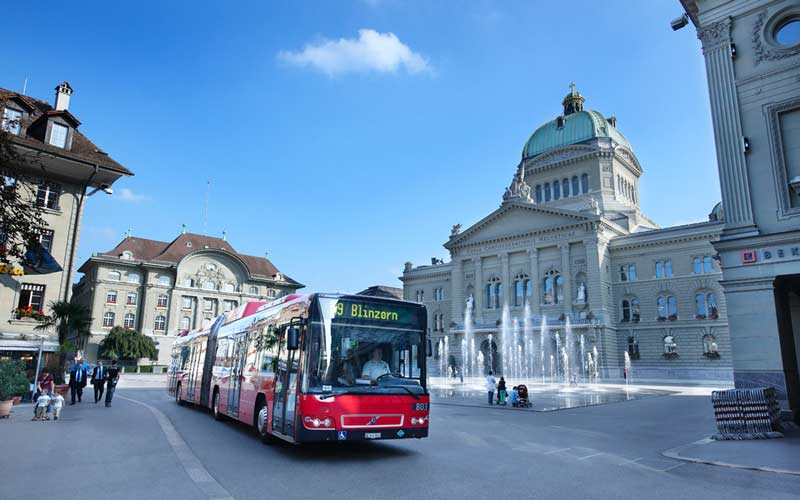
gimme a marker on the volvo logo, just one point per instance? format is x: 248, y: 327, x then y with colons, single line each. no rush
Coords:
x: 373, y: 420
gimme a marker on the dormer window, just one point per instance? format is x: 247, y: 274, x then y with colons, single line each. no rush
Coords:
x: 127, y: 255
x: 58, y: 135
x: 560, y: 122
x: 11, y: 120
x: 188, y: 244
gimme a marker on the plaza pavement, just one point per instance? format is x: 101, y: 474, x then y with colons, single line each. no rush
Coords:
x: 133, y: 451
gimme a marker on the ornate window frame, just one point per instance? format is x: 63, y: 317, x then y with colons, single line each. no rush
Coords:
x: 765, y: 47
x: 772, y: 114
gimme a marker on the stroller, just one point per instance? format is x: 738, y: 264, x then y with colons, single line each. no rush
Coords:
x: 523, y: 401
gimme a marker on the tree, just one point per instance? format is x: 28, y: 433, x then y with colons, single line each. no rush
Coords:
x: 13, y: 381
x: 68, y: 319
x: 126, y: 344
x: 21, y: 218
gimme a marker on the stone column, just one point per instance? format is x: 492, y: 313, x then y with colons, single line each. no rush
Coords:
x: 716, y: 40
x: 457, y: 303
x: 477, y: 312
x: 566, y: 273
x: 507, y: 285
x: 536, y: 299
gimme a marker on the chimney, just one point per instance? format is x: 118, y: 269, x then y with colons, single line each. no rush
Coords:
x: 63, y: 91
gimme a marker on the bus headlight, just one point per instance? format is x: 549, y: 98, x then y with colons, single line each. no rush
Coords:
x: 317, y: 423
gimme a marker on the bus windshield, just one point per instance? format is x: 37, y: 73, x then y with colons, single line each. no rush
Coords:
x: 366, y: 347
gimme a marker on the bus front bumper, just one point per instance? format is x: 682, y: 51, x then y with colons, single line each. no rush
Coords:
x: 307, y: 436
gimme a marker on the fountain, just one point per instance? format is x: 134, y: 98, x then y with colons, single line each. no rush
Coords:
x: 506, y: 352
x: 468, y: 363
x: 596, y: 358
x: 628, y: 373
x: 542, y: 343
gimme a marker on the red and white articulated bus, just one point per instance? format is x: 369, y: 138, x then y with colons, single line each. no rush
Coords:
x: 306, y: 368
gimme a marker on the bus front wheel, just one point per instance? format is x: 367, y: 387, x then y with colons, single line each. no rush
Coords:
x: 262, y: 423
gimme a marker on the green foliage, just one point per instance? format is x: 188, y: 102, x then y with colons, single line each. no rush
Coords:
x: 126, y: 344
x: 21, y: 220
x: 67, y: 318
x: 13, y: 381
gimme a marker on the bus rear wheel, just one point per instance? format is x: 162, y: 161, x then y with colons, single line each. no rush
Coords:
x: 215, y: 406
x: 178, y: 395
x: 262, y: 423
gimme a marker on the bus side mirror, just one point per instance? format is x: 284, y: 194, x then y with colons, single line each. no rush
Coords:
x: 429, y: 348
x: 292, y: 339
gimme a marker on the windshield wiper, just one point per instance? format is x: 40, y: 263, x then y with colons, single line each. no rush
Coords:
x: 416, y: 396
x: 343, y: 393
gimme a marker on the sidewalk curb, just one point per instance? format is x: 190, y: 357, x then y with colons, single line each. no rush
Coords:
x: 674, y: 453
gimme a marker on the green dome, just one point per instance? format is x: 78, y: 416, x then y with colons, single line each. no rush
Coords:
x: 573, y: 128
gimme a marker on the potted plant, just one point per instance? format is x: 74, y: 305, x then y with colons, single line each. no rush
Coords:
x: 12, y: 383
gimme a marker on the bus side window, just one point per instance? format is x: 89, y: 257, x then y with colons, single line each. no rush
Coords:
x: 184, y: 357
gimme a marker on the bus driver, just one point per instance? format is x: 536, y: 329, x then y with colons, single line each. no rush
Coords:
x: 376, y: 366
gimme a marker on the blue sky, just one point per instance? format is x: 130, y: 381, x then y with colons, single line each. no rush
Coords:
x: 346, y: 138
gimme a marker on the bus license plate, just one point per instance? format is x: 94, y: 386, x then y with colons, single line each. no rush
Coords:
x: 372, y: 435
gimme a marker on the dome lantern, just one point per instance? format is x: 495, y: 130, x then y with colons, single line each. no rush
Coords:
x: 573, y: 102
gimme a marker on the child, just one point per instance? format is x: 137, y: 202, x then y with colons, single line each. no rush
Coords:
x: 57, y: 402
x: 41, y: 407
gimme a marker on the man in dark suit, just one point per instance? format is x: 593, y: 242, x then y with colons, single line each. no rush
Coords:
x: 112, y: 377
x: 99, y: 380
x: 77, y: 381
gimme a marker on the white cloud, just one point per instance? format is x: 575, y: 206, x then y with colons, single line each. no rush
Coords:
x: 126, y: 194
x: 372, y: 51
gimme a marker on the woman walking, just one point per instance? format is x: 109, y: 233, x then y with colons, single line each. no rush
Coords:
x: 501, y: 391
x: 490, y: 383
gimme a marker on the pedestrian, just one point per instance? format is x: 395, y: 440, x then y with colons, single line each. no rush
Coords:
x: 45, y: 384
x: 77, y: 381
x: 40, y: 410
x: 98, y: 381
x: 490, y: 383
x: 501, y: 391
x: 57, y: 401
x: 513, y: 396
x: 112, y: 377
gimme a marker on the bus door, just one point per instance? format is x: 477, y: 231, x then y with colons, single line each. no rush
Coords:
x: 193, y: 361
x: 237, y: 370
x: 285, y: 400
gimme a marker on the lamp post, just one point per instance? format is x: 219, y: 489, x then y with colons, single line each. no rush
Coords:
x: 38, y: 364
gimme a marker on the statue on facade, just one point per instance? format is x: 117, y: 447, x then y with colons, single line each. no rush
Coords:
x: 408, y: 266
x: 519, y: 188
x: 581, y: 296
x: 455, y: 230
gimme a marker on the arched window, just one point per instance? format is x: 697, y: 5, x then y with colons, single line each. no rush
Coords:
x: 188, y: 282
x: 164, y: 280
x: 585, y: 183
x: 633, y: 348
x: 160, y: 323
x: 635, y: 314
x: 498, y: 296
x: 128, y: 321
x: 661, y: 304
x: 559, y: 289
x: 659, y: 269
x: 632, y: 272
x: 575, y: 186
x: 626, y: 311
x: 623, y: 276
x: 670, y: 346
x: 162, y: 300
x: 668, y: 268
x: 565, y: 187
x: 710, y: 346
x: 711, y: 300
x: 697, y: 265
x: 489, y: 296
x: 526, y: 285
x: 108, y: 320
x: 134, y: 278
x: 114, y: 275
x: 548, y: 296
x: 700, y: 309
x: 556, y: 190
x: 672, y: 307
x: 185, y: 323
x: 547, y: 192
x: 538, y: 193
x: 707, y: 264
x: 518, y: 293
x: 253, y: 290
x: 209, y: 285
x: 228, y: 287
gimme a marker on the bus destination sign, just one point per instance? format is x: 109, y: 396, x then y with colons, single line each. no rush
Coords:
x: 375, y: 312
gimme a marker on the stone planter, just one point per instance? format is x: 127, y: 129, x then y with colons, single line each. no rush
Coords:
x: 5, y: 408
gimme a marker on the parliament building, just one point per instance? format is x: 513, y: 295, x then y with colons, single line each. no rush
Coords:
x: 570, y: 240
